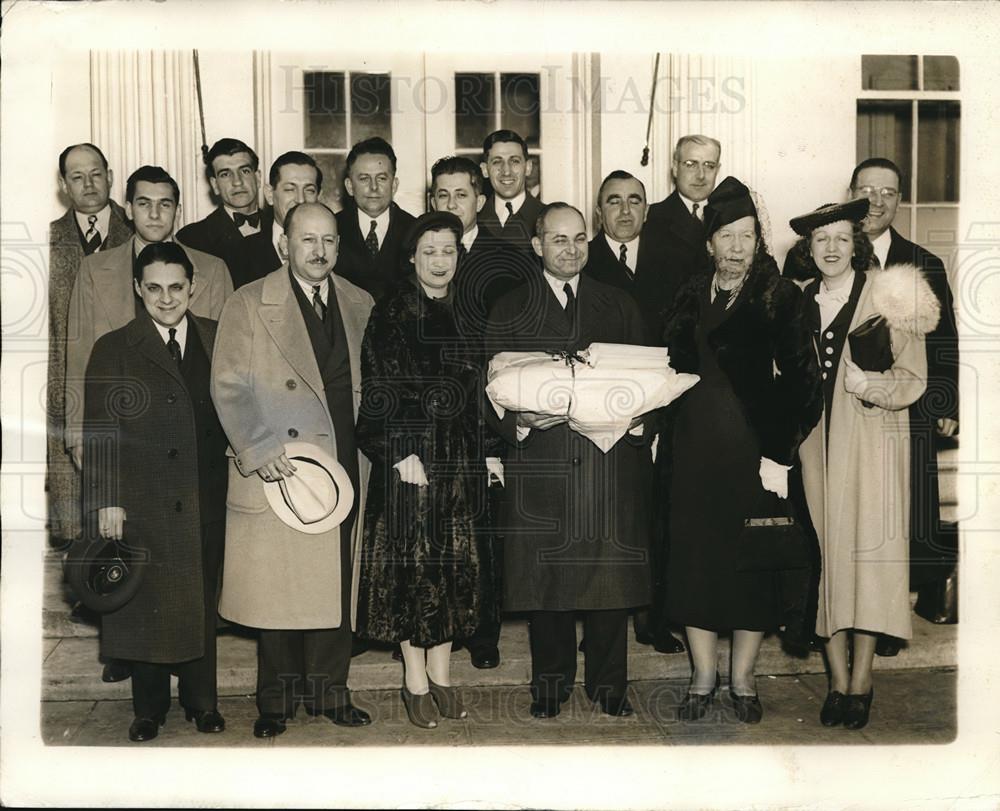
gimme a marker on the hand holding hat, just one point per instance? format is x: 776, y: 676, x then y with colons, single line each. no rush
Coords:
x: 277, y: 469
x: 312, y: 493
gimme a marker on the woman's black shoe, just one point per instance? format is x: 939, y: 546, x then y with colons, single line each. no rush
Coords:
x: 832, y: 713
x: 696, y: 705
x: 748, y: 708
x: 857, y: 710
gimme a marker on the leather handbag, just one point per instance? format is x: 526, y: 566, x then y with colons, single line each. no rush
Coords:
x: 871, y: 346
x: 773, y: 538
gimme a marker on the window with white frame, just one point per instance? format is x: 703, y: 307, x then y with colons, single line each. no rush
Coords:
x: 909, y: 111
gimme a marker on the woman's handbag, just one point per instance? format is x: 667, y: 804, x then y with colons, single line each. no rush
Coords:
x: 772, y: 538
x: 871, y: 347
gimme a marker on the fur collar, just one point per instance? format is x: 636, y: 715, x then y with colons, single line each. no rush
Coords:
x: 903, y: 297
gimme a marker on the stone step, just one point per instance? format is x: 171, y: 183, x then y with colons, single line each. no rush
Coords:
x: 71, y: 670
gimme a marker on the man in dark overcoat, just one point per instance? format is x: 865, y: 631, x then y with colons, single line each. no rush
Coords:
x: 93, y: 222
x: 630, y: 256
x: 155, y: 476
x: 511, y: 211
x: 678, y: 219
x: 576, y: 520
x: 371, y: 225
x: 231, y: 167
x: 935, y: 414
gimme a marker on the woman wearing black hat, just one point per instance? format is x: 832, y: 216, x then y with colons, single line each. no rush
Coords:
x: 423, y: 572
x: 735, y: 436
x: 854, y: 463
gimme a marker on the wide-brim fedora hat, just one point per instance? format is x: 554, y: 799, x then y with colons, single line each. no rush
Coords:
x: 318, y: 497
x: 852, y: 211
x: 104, y: 574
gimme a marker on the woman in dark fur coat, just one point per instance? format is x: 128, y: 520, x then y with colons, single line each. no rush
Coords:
x: 740, y: 327
x: 424, y: 578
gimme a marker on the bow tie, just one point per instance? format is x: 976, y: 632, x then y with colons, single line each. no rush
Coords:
x: 252, y: 219
x: 827, y: 297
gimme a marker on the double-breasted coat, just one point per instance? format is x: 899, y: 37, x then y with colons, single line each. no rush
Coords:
x: 142, y: 454
x: 856, y: 474
x: 104, y: 299
x: 576, y: 521
x: 268, y: 390
x: 65, y: 255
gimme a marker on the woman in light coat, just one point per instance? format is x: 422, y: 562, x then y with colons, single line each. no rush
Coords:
x: 855, y: 463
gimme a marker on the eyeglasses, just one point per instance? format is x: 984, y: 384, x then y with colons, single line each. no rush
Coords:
x: 885, y: 192
x: 708, y: 166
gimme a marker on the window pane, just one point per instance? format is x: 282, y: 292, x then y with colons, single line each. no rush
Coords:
x: 937, y: 151
x: 519, y: 105
x: 371, y: 106
x: 332, y: 167
x: 475, y: 107
x: 940, y: 73
x: 326, y: 115
x: 885, y: 130
x: 888, y: 72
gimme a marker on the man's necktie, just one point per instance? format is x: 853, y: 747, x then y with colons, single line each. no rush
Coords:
x: 91, y: 239
x: 461, y: 253
x: 510, y: 212
x: 876, y: 264
x: 173, y: 347
x: 570, y: 303
x: 318, y: 304
x: 694, y: 211
x: 253, y: 220
x: 623, y: 258
x: 371, y: 241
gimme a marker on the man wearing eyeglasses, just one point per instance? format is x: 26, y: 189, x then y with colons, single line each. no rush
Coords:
x: 936, y: 412
x: 677, y: 220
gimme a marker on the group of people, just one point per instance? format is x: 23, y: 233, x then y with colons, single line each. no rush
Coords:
x: 283, y: 408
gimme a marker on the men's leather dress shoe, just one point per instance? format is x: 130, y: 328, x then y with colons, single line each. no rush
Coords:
x: 145, y: 729
x: 484, y: 658
x: 617, y: 706
x: 206, y: 720
x: 832, y: 713
x: 668, y: 643
x: 346, y: 716
x: 748, y: 708
x: 887, y: 645
x: 268, y: 726
x: 857, y: 709
x: 116, y: 670
x: 547, y: 708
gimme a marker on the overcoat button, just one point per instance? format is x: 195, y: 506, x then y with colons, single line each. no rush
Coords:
x: 292, y: 433
x: 827, y: 364
x: 829, y: 335
x: 291, y: 384
x: 829, y: 350
x: 172, y: 453
x: 171, y: 398
x: 177, y: 506
x: 576, y: 460
x: 824, y: 375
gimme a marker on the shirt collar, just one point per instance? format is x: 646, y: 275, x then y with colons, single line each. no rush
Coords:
x: 469, y: 237
x: 138, y: 243
x: 381, y: 224
x: 307, y: 287
x: 277, y: 230
x: 500, y: 205
x: 881, y: 245
x: 616, y: 246
x: 689, y: 205
x: 180, y: 337
x: 558, y: 284
x: 103, y: 221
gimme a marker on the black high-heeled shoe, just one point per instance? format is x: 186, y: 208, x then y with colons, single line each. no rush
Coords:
x: 748, y: 708
x: 857, y: 709
x: 832, y: 713
x: 448, y: 702
x: 697, y: 705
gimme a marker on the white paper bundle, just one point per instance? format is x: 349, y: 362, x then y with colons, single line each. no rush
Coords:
x: 601, y: 389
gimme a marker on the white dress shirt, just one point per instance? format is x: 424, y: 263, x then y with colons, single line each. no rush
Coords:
x: 180, y: 337
x: 469, y: 237
x: 689, y: 204
x: 307, y: 288
x: 881, y: 245
x: 500, y: 206
x: 277, y: 231
x: 103, y: 223
x: 631, y: 252
x: 246, y: 229
x: 557, y: 286
x: 381, y: 225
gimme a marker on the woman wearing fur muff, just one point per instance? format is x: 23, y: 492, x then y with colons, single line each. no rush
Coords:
x: 868, y: 329
x: 739, y: 326
x: 425, y: 579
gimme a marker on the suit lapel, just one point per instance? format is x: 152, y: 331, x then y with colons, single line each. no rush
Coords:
x: 113, y: 277
x: 148, y: 342
x: 279, y: 312
x: 351, y: 305
x: 682, y: 224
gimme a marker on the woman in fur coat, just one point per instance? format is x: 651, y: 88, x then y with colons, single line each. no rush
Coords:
x: 735, y: 436
x: 855, y: 463
x: 423, y: 578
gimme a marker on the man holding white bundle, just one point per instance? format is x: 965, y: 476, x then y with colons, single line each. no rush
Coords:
x: 576, y: 520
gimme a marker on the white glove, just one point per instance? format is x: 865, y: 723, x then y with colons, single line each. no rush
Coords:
x: 411, y: 470
x: 774, y: 477
x: 494, y: 470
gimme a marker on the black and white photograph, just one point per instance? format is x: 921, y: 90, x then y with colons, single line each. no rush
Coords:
x: 499, y: 404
